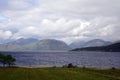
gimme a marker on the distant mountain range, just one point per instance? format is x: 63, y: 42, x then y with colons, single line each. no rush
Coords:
x: 34, y: 44
x: 115, y: 47
x: 57, y: 45
x: 2, y: 41
x: 91, y: 43
x: 23, y: 41
x: 47, y: 44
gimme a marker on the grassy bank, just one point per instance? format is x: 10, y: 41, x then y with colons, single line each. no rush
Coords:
x: 58, y: 74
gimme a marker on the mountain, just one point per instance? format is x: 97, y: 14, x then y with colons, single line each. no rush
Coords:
x: 115, y: 47
x: 3, y: 41
x: 47, y: 44
x: 23, y: 41
x: 4, y: 47
x: 33, y: 44
x: 96, y: 42
x: 17, y: 44
x: 77, y: 44
x: 91, y: 43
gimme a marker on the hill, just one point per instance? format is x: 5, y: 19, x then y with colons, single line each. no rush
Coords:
x: 16, y: 44
x: 91, y: 43
x: 115, y: 47
x: 47, y: 44
x: 34, y: 44
x: 23, y: 41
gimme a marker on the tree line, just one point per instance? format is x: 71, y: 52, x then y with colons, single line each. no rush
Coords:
x: 7, y: 60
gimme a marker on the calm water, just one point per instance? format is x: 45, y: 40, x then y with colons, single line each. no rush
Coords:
x: 90, y: 59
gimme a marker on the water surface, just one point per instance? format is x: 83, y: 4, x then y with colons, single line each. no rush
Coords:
x: 90, y: 59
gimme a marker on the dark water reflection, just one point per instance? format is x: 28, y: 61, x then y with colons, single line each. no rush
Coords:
x: 91, y: 59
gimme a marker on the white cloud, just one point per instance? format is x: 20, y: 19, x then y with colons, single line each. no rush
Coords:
x: 26, y: 32
x: 5, y: 34
x: 62, y: 19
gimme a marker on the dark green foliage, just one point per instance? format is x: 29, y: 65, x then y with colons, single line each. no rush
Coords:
x: 10, y: 60
x: 70, y: 65
x: 113, y: 68
x: 2, y: 59
x: 7, y: 59
x: 110, y: 48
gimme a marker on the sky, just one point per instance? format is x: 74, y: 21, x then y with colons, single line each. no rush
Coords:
x: 67, y: 20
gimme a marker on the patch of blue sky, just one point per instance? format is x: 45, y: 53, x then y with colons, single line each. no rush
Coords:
x: 3, y: 18
x: 3, y: 4
x: 32, y: 2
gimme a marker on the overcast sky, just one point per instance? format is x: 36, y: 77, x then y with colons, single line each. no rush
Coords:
x: 67, y: 20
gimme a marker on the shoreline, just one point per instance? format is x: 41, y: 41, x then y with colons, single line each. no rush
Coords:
x: 80, y: 67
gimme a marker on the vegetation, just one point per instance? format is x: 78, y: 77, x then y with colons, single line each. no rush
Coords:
x: 110, y: 48
x: 70, y: 65
x: 7, y: 59
x: 58, y: 74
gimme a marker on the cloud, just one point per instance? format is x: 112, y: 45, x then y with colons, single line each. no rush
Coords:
x: 5, y: 34
x: 67, y: 20
x: 16, y: 5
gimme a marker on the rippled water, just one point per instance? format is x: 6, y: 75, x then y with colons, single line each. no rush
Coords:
x: 91, y: 59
